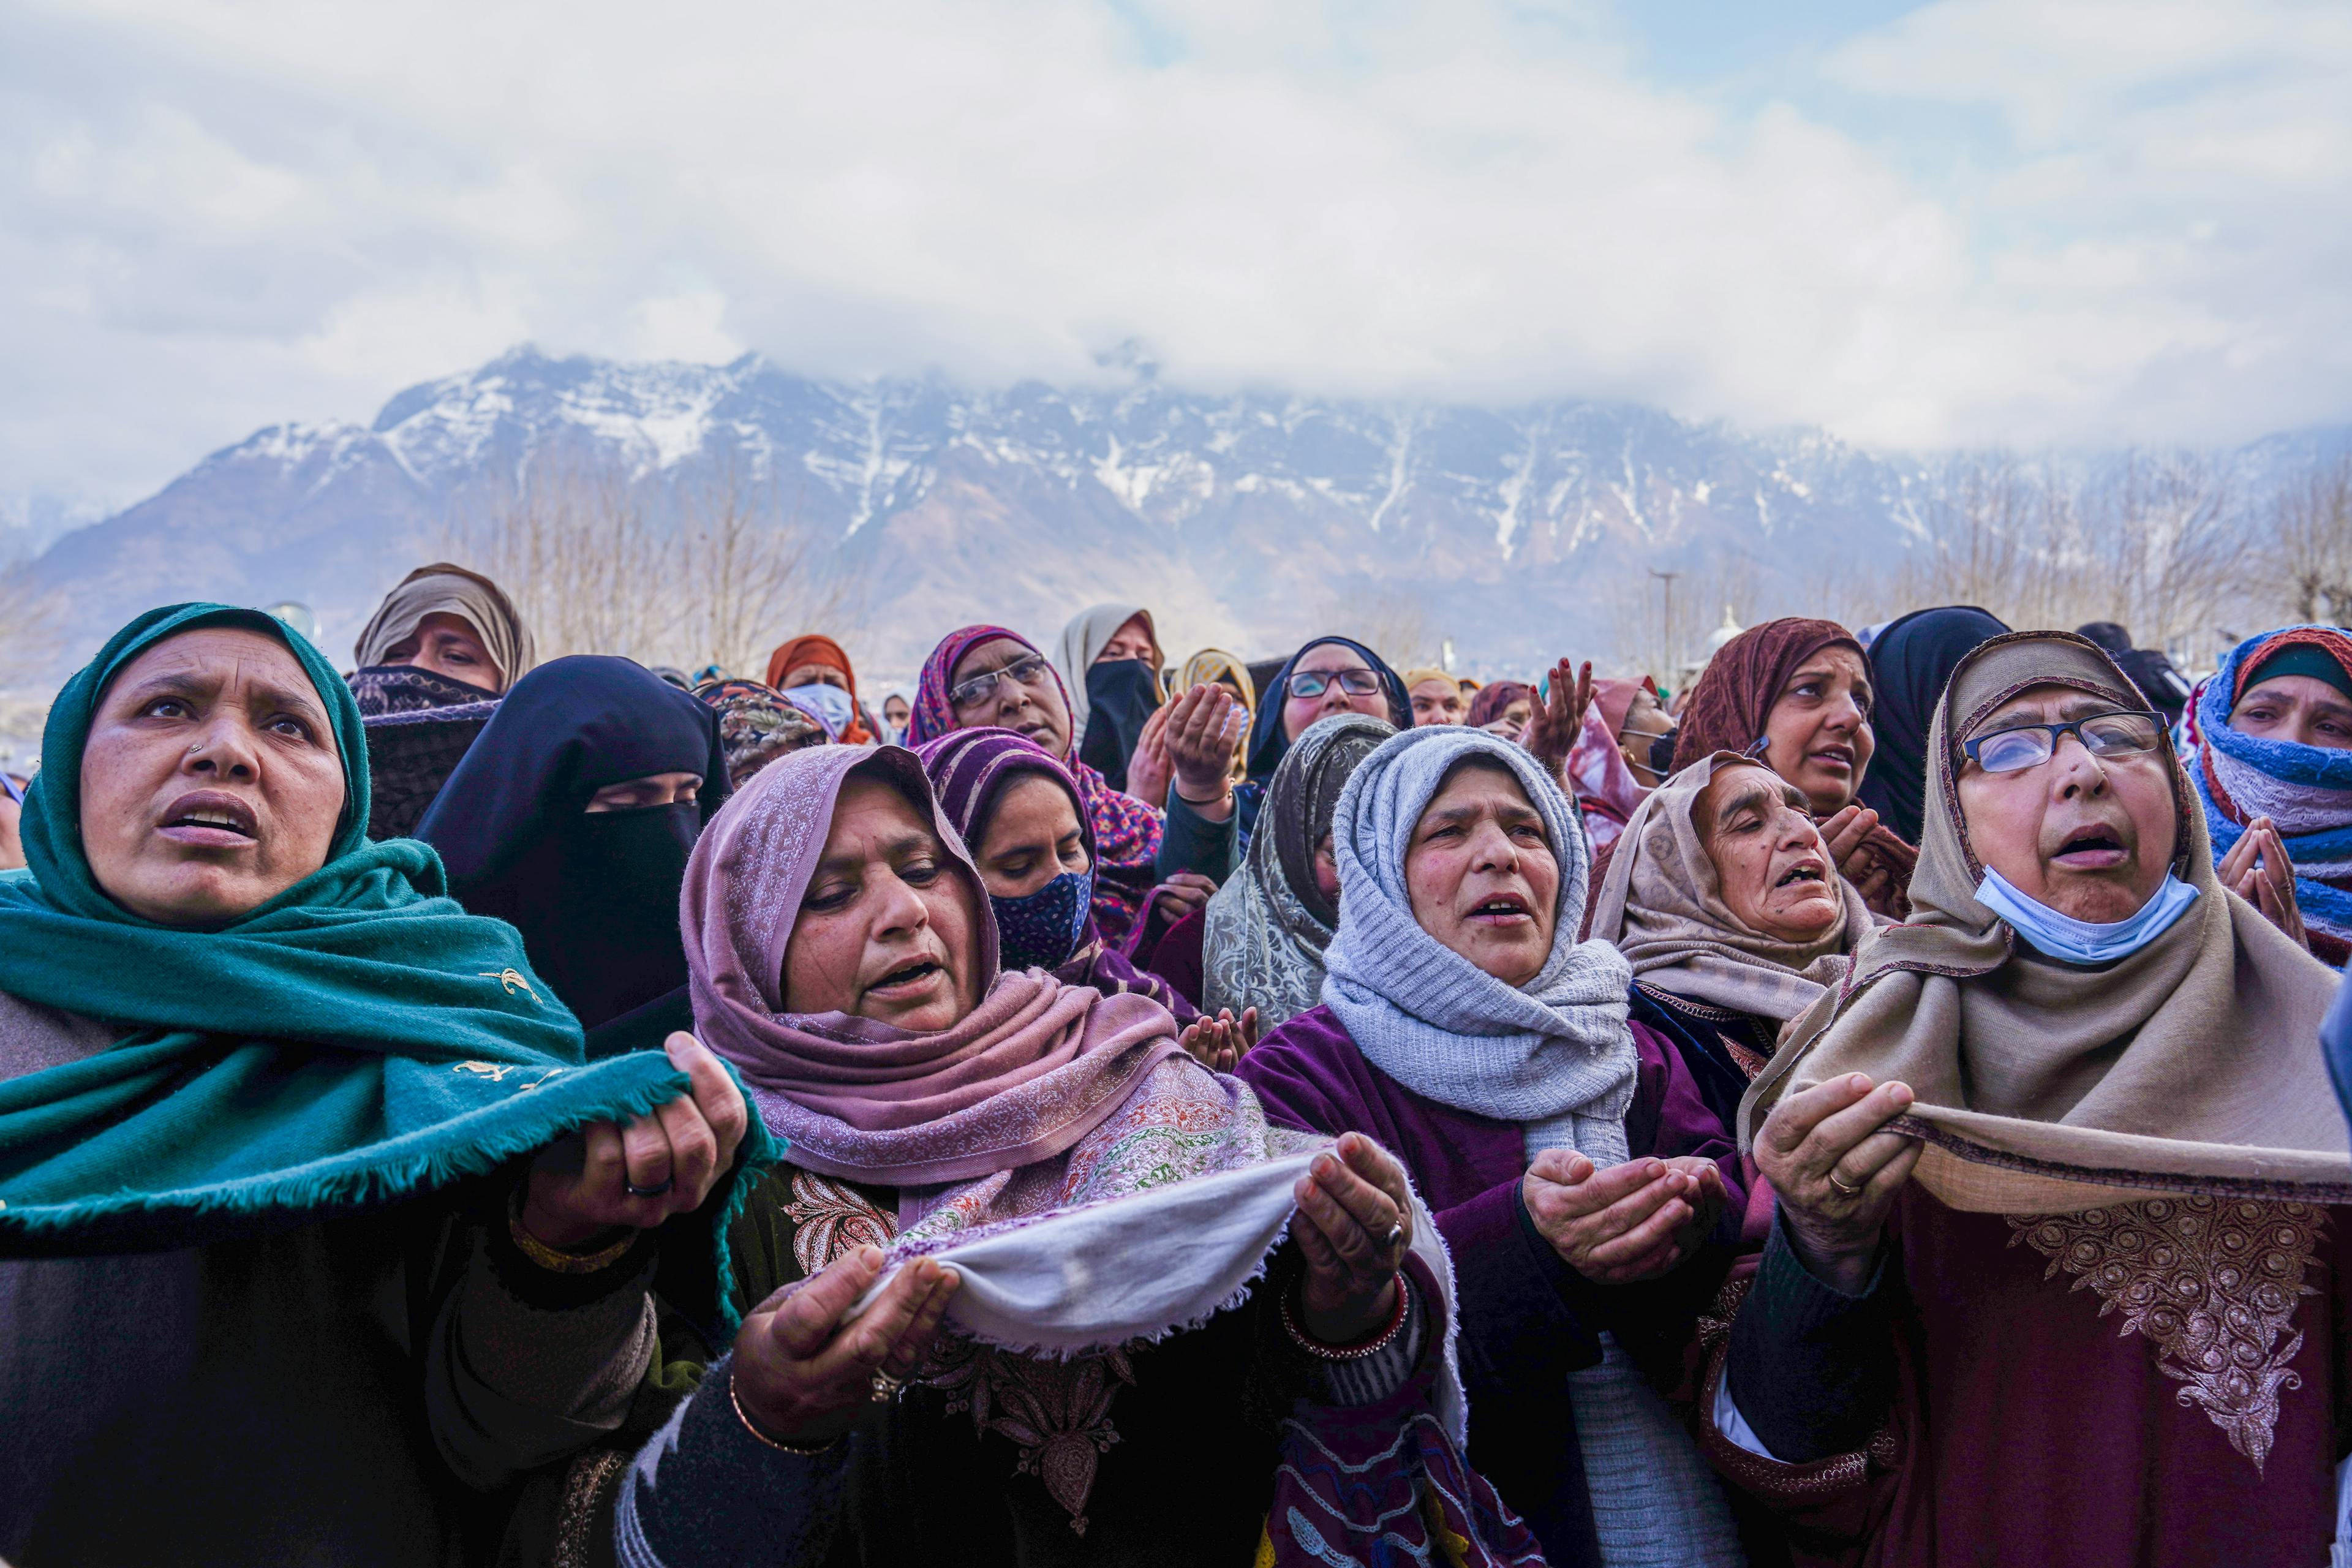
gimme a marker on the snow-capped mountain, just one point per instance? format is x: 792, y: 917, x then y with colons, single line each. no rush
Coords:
x: 1248, y: 521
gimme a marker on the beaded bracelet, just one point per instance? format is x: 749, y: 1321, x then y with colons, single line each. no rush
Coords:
x: 1371, y: 1347
x: 554, y: 1259
x: 778, y: 1444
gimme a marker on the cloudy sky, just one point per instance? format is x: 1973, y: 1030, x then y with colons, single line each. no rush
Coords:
x: 2030, y: 221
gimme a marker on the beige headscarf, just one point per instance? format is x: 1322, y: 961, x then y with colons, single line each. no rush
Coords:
x: 446, y: 590
x: 1661, y: 905
x: 2191, y: 1067
x: 1215, y: 664
x: 1083, y: 641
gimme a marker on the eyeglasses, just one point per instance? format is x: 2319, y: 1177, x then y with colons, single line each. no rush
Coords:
x: 2119, y: 734
x: 1357, y: 682
x: 975, y: 693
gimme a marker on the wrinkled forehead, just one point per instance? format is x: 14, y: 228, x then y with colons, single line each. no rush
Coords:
x: 2028, y: 667
x: 1479, y: 784
x: 993, y: 653
x: 1739, y: 785
x: 213, y: 654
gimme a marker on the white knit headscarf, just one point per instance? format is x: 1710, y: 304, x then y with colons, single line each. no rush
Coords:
x: 1556, y: 1054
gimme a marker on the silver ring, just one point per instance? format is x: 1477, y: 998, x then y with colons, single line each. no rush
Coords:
x: 887, y: 1388
x: 1395, y: 1235
x: 635, y: 1191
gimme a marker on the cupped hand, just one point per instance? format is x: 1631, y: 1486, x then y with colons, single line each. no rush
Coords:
x: 2258, y: 870
x: 1150, y: 768
x: 805, y: 1377
x: 1557, y: 722
x: 1183, y: 892
x: 1354, y: 1227
x: 1220, y: 1042
x: 1836, y: 1172
x: 1204, y: 725
x: 1629, y: 1222
x: 579, y: 1186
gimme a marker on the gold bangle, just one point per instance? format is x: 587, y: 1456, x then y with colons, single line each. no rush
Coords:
x: 778, y: 1444
x: 554, y: 1259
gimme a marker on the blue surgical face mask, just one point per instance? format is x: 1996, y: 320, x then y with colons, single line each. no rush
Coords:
x: 1040, y: 929
x: 828, y: 705
x: 2071, y: 940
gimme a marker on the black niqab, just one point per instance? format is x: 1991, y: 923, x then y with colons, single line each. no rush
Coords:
x: 594, y: 894
x: 1121, y: 696
x: 1910, y: 663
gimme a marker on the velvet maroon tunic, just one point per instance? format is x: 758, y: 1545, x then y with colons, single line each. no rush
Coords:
x: 1527, y: 1318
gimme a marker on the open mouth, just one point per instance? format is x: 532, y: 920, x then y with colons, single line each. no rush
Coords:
x: 1838, y: 759
x: 1503, y: 907
x: 210, y: 819
x: 1802, y: 871
x: 2094, y: 847
x: 905, y: 975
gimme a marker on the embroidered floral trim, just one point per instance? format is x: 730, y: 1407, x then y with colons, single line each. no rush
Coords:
x: 2213, y: 1282
x: 830, y: 1221
x: 1057, y: 1413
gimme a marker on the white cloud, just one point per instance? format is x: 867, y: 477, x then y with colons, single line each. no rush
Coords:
x: 229, y: 214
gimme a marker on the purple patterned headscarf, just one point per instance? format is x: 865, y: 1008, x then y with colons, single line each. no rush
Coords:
x: 1127, y: 831
x: 1032, y: 1070
x: 969, y: 770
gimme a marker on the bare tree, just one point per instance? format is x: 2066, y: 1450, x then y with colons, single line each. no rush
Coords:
x: 701, y: 571
x: 2311, y: 544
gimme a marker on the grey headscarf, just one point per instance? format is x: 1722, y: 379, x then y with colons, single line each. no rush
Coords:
x: 1268, y: 925
x: 1557, y: 1054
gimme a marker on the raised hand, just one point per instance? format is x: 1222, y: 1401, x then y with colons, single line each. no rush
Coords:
x: 1151, y: 768
x: 805, y: 1377
x: 2258, y: 870
x: 1204, y: 725
x: 1835, y: 1173
x: 1635, y: 1220
x: 1558, y: 721
x: 1354, y: 1227
x: 1220, y: 1042
x: 608, y: 1176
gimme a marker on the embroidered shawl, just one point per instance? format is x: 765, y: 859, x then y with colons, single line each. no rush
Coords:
x: 1265, y: 931
x: 2189, y: 1068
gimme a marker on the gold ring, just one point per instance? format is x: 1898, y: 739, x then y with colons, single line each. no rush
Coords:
x: 887, y: 1388
x: 1840, y: 1186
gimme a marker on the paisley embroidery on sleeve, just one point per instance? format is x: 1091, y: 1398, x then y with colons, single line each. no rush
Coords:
x: 2212, y: 1283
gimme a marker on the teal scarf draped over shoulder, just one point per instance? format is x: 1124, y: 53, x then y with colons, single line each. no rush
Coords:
x: 354, y: 1040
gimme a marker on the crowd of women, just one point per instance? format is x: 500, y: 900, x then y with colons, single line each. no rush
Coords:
x: 1873, y: 1105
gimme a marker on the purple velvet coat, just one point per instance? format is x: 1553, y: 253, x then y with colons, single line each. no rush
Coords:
x: 1527, y: 1318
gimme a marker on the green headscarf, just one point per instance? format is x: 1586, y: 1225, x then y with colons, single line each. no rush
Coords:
x: 354, y: 1040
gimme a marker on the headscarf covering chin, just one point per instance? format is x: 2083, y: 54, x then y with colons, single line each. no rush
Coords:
x: 352, y: 1041
x: 969, y: 773
x: 816, y: 649
x: 756, y: 725
x: 1127, y: 831
x: 1267, y: 743
x: 2306, y: 790
x: 593, y: 893
x: 1495, y: 699
x: 1082, y: 642
x: 1910, y: 660
x: 1661, y: 905
x: 1555, y: 1054
x: 450, y: 590
x: 1267, y: 929
x: 1733, y: 700
x: 2186, y: 1068
x: 1032, y: 1070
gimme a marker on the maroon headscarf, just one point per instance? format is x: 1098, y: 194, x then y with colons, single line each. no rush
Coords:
x: 1733, y: 702
x: 1034, y: 1068
x: 1493, y: 698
